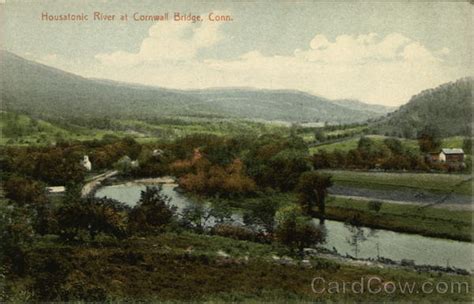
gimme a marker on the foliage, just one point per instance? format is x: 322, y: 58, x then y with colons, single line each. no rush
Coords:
x: 295, y: 230
x: 448, y: 107
x: 92, y: 216
x: 262, y: 213
x: 195, y: 217
x: 152, y: 212
x: 467, y: 145
x: 56, y: 165
x: 312, y: 190
x: 429, y: 139
x: 375, y: 206
x: 25, y: 191
x: 235, y: 232
x: 16, y: 235
x: 277, y: 162
x: 388, y: 154
x: 213, y: 179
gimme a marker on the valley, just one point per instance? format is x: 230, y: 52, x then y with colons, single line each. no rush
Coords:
x: 275, y: 185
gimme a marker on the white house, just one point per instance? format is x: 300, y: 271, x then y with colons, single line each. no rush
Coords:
x: 86, y: 163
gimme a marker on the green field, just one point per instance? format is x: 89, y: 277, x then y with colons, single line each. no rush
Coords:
x: 411, y: 144
x: 23, y: 130
x: 433, y: 222
x: 26, y: 131
x: 439, y: 183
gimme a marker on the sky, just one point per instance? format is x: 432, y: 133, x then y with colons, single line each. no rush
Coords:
x: 377, y: 52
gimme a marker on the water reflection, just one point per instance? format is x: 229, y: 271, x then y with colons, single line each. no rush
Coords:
x: 344, y: 238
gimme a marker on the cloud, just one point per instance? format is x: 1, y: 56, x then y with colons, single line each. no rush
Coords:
x: 168, y: 41
x: 378, y: 69
x: 362, y: 49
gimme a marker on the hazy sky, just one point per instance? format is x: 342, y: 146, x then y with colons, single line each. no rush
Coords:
x: 378, y: 52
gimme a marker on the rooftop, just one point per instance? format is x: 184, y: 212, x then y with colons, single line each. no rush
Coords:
x: 452, y: 151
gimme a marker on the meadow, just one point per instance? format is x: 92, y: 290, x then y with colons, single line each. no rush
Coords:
x: 433, y: 182
x: 426, y: 221
x: 23, y: 130
x: 409, y: 144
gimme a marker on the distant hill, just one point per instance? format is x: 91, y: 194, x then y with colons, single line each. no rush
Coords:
x: 361, y: 106
x: 448, y: 108
x: 49, y: 93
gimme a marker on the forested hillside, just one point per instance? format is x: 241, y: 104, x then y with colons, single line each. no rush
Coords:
x: 447, y: 108
x: 52, y: 94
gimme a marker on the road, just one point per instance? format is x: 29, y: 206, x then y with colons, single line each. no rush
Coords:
x: 96, y: 181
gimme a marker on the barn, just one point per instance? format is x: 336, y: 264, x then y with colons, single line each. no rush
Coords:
x: 451, y: 156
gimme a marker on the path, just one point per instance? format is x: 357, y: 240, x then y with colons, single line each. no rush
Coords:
x: 460, y: 207
x: 90, y: 186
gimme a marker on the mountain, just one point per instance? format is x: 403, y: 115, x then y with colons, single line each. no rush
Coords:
x: 48, y: 93
x: 447, y: 109
x: 361, y: 106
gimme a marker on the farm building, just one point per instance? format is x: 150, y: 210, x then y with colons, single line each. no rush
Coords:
x: 451, y: 156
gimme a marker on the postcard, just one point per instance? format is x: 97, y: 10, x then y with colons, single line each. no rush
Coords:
x: 236, y: 151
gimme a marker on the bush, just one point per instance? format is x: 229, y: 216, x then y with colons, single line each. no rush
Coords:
x: 235, y: 232
x: 295, y: 230
x: 16, y: 235
x: 92, y: 216
x: 152, y: 212
x: 25, y: 191
x: 262, y: 213
x: 375, y: 206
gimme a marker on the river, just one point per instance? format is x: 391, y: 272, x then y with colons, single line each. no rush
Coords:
x: 358, y: 242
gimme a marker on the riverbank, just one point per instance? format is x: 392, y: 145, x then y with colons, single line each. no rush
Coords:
x: 370, y: 244
x: 414, y: 219
x: 193, y: 267
x: 427, y: 221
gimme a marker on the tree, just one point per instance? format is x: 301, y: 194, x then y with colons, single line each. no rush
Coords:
x: 16, y: 234
x: 262, y: 213
x: 25, y: 191
x: 92, y: 216
x: 295, y: 230
x: 152, y: 212
x: 195, y: 216
x: 319, y: 135
x: 429, y: 139
x: 375, y: 206
x: 312, y: 190
x: 467, y: 145
x: 394, y: 144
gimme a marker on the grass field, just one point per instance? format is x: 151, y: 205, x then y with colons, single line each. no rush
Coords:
x: 439, y: 183
x: 427, y: 221
x: 309, y: 136
x: 412, y: 144
x: 187, y: 267
x: 433, y: 222
x: 38, y: 132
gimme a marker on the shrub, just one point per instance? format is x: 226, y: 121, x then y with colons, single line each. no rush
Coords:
x: 234, y: 232
x: 152, y: 212
x: 25, y: 191
x: 375, y: 206
x: 295, y: 230
x: 92, y: 216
